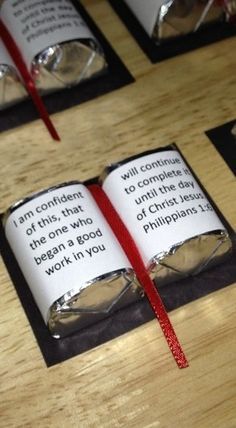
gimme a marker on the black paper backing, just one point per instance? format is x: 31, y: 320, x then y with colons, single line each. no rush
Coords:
x: 116, y: 76
x: 126, y: 319
x: 168, y: 49
x: 225, y: 143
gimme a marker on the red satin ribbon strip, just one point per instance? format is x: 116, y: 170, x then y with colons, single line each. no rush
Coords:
x: 136, y: 261
x: 16, y: 56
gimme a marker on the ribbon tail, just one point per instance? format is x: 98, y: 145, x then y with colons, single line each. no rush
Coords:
x: 16, y: 56
x: 133, y: 254
x: 42, y: 111
x: 164, y: 321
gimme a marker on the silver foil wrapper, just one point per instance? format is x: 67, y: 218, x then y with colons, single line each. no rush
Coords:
x: 98, y: 300
x: 188, y: 257
x: 57, y: 67
x: 81, y: 305
x: 179, y: 17
x: 11, y: 89
x: 191, y: 257
x: 67, y: 64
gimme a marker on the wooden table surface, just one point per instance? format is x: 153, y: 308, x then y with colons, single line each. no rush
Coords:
x: 131, y: 381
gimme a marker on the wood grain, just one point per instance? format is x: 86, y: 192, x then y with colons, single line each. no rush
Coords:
x: 131, y: 381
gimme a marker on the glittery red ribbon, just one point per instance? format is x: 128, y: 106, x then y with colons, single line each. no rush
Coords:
x: 16, y: 56
x: 136, y: 261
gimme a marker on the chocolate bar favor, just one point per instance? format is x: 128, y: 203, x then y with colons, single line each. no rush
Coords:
x: 57, y: 46
x: 170, y: 218
x: 74, y: 263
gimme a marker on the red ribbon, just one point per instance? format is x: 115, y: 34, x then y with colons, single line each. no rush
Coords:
x: 136, y: 261
x: 16, y: 56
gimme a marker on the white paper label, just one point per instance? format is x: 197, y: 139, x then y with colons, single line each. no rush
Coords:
x: 61, y: 240
x: 38, y: 24
x: 160, y: 202
x: 146, y: 11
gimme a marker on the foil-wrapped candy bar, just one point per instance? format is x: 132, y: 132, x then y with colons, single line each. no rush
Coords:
x: 165, y: 19
x: 70, y: 258
x: 170, y: 218
x: 56, y: 45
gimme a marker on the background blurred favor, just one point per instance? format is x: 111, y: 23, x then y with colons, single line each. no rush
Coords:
x: 163, y: 19
x: 56, y: 45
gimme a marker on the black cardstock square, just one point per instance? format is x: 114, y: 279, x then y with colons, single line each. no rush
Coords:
x: 116, y: 76
x: 225, y: 143
x: 174, y: 295
x: 170, y: 48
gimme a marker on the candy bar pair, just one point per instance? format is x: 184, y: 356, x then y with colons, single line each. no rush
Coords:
x: 72, y: 259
